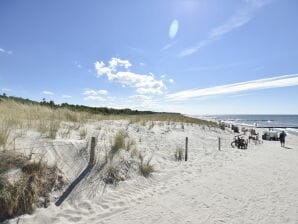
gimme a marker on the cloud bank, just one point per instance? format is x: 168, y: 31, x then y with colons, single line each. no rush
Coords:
x: 267, y: 83
x: 144, y: 84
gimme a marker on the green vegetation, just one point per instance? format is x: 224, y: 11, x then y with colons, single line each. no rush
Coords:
x: 112, y: 175
x: 146, y: 168
x: 76, y: 108
x: 30, y: 190
x: 4, y: 133
x: 119, y: 142
x: 83, y: 133
x: 75, y: 113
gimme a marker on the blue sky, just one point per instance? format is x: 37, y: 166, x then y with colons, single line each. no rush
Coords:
x: 189, y: 56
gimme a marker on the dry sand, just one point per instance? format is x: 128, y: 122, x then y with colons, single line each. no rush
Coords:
x: 257, y: 185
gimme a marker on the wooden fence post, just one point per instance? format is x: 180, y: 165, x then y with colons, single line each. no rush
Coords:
x: 92, y: 152
x: 186, y: 148
x: 219, y: 144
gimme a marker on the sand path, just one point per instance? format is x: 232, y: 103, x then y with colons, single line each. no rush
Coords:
x: 261, y: 186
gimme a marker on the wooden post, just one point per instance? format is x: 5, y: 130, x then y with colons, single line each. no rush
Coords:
x: 219, y: 144
x: 92, y: 152
x: 186, y: 148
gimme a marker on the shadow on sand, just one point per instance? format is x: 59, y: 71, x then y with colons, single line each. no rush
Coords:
x: 287, y: 147
x: 73, y: 185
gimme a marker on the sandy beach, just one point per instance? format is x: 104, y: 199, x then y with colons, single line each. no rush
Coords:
x: 257, y: 185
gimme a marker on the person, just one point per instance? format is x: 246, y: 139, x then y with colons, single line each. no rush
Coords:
x: 282, y: 138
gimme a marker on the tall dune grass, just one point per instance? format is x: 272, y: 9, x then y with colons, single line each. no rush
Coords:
x: 47, y: 120
x: 30, y: 190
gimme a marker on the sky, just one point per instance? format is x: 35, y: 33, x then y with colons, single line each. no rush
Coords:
x: 187, y: 56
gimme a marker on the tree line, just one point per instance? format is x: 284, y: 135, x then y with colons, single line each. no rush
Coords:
x: 79, y: 108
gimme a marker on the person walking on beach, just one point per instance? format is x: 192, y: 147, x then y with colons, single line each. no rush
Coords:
x: 282, y: 138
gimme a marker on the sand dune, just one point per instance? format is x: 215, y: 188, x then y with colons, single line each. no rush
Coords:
x: 258, y: 185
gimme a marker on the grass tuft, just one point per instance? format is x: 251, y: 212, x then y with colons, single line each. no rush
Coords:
x: 145, y: 168
x: 119, y: 142
x: 32, y: 188
x: 112, y: 176
x: 83, y: 133
x: 4, y: 134
x: 130, y: 143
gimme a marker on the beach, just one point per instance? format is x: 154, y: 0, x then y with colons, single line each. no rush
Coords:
x: 230, y: 185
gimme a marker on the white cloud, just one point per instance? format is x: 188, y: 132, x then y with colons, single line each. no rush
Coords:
x: 66, y: 96
x: 240, y: 18
x: 144, y: 84
x: 45, y: 92
x: 98, y: 98
x: 169, y: 45
x: 117, y: 62
x: 93, y: 92
x: 99, y: 95
x: 171, y: 80
x: 173, y: 28
x: 267, y: 83
x: 5, y: 51
x: 140, y: 97
x: 6, y: 90
x: 101, y: 69
x: 149, y: 91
